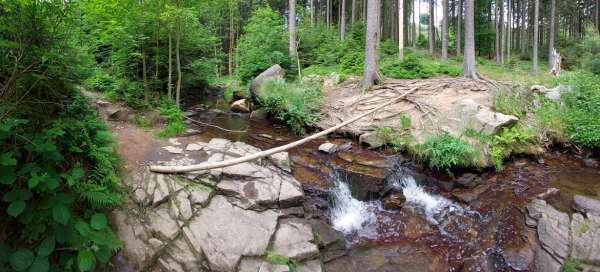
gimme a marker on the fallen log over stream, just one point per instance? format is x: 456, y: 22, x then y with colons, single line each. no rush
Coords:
x: 269, y: 152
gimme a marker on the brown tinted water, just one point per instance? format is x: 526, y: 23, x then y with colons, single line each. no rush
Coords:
x: 489, y: 233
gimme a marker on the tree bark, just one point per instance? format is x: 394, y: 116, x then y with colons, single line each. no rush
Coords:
x: 536, y: 26
x: 498, y: 16
x: 503, y: 34
x: 414, y: 26
x: 445, y: 30
x: 459, y: 15
x: 431, y: 27
x: 371, y: 69
x: 292, y: 29
x: 328, y: 13
x: 312, y: 14
x: 469, y: 58
x: 170, y: 80
x: 145, y: 78
x: 353, y: 15
x: 231, y: 38
x: 551, y: 32
x: 523, y: 36
x: 343, y: 20
x: 401, y: 29
x: 157, y: 39
x: 178, y: 62
x: 508, y: 30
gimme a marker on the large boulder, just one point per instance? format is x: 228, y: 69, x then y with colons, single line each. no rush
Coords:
x: 371, y: 139
x: 586, y: 205
x: 242, y: 105
x: 470, y: 114
x: 274, y: 72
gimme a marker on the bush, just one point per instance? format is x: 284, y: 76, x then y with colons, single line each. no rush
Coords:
x: 174, y: 120
x: 582, y: 112
x: 595, y: 65
x: 410, y: 68
x: 262, y: 44
x: 444, y: 152
x: 353, y: 63
x: 449, y: 69
x: 295, y: 104
x: 508, y: 140
x: 101, y: 81
x: 57, y: 177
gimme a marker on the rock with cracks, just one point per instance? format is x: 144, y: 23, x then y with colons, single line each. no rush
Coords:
x: 273, y: 73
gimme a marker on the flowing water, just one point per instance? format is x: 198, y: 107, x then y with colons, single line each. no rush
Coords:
x: 444, y: 225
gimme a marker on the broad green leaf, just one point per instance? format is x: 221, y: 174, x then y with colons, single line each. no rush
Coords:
x: 21, y: 259
x: 36, y: 179
x: 99, y: 221
x: 6, y: 159
x: 82, y: 227
x: 41, y: 264
x: 7, y: 175
x: 75, y: 175
x: 61, y: 214
x: 103, y: 254
x: 16, y: 207
x: 46, y: 247
x: 85, y: 260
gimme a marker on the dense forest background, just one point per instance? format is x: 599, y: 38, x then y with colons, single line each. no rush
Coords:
x: 58, y: 166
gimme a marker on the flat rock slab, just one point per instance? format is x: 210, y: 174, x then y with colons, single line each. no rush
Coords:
x: 587, y: 205
x: 294, y: 239
x: 225, y: 233
x: 586, y: 238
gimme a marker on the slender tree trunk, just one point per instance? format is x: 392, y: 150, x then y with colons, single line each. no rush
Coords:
x: 328, y: 13
x: 401, y: 29
x: 353, y: 15
x: 371, y: 68
x: 312, y: 13
x: 178, y: 62
x: 508, y: 30
x: 343, y: 20
x: 498, y: 15
x: 414, y: 26
x: 445, y: 30
x: 469, y: 59
x: 459, y: 15
x: 157, y: 40
x: 431, y: 26
x: 419, y: 18
x: 503, y: 34
x: 231, y: 38
x: 523, y: 36
x: 145, y: 78
x: 551, y: 32
x: 536, y: 26
x: 597, y: 11
x: 292, y: 29
x: 170, y: 80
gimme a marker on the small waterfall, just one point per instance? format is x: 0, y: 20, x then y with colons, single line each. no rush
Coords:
x: 348, y: 214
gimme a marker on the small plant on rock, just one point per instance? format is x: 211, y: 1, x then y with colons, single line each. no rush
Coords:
x: 444, y: 152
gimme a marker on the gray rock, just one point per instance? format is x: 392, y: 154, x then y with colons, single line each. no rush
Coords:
x: 291, y: 193
x: 161, y: 223
x: 259, y: 114
x: 371, y: 139
x: 282, y: 160
x: 250, y: 264
x: 275, y: 72
x: 225, y: 233
x: 553, y: 94
x: 132, y: 233
x: 294, y: 239
x: 553, y: 228
x: 331, y: 80
x: 173, y: 149
x: 586, y: 205
x: 256, y: 194
x: 179, y: 256
x: 591, y: 163
x: 328, y: 148
x: 116, y: 113
x: 470, y: 114
x: 586, y: 238
x: 161, y: 193
x: 199, y: 194
x: 195, y: 146
x: 174, y: 141
x: 544, y: 262
x: 241, y: 105
x: 310, y: 266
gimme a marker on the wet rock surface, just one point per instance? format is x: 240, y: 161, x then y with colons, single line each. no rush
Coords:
x: 219, y: 220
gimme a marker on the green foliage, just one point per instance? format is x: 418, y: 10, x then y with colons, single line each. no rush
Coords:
x: 279, y: 259
x: 411, y: 67
x: 57, y: 176
x: 595, y: 66
x: 444, y: 152
x: 582, y: 110
x: 508, y: 140
x: 397, y: 140
x: 296, y: 104
x: 262, y: 44
x: 449, y: 69
x: 550, y: 117
x: 512, y: 102
x: 572, y: 265
x: 101, y: 81
x: 353, y: 62
x: 174, y: 118
x: 142, y: 121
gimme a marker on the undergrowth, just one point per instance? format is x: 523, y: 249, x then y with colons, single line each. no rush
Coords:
x: 174, y: 120
x: 296, y: 104
x: 445, y: 152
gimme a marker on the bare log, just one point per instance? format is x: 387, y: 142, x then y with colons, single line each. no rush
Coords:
x: 269, y: 152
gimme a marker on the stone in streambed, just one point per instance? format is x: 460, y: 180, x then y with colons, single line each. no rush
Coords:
x: 586, y: 238
x: 328, y: 148
x: 371, y: 139
x: 259, y: 114
x: 274, y: 72
x: 586, y: 205
x: 294, y: 239
x: 241, y: 105
x: 173, y: 149
x: 394, y: 201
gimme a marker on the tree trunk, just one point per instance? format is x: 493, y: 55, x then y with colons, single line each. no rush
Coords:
x: 343, y: 20
x: 328, y: 13
x: 523, y: 36
x: 401, y: 29
x: 498, y: 32
x: 503, y: 34
x: 353, y: 15
x: 170, y: 80
x: 371, y: 68
x: 145, y: 78
x: 597, y: 11
x: 508, y: 30
x: 292, y: 29
x: 312, y: 14
x: 178, y: 62
x: 445, y: 30
x: 431, y: 27
x: 414, y: 26
x: 551, y: 32
x: 419, y: 18
x: 469, y: 58
x: 157, y: 40
x: 231, y: 38
x: 536, y: 26
x: 459, y: 15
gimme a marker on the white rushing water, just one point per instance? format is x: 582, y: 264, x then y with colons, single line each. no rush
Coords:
x: 350, y: 215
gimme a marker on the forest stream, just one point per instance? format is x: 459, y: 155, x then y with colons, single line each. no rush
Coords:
x: 474, y: 219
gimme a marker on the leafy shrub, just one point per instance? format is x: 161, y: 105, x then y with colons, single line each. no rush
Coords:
x: 444, y: 152
x: 174, y: 120
x: 101, y: 81
x: 595, y: 65
x: 57, y: 176
x: 296, y: 104
x: 508, y: 140
x: 410, y: 68
x: 550, y: 117
x: 512, y: 102
x: 448, y: 69
x: 353, y: 62
x: 262, y: 44
x: 582, y: 112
